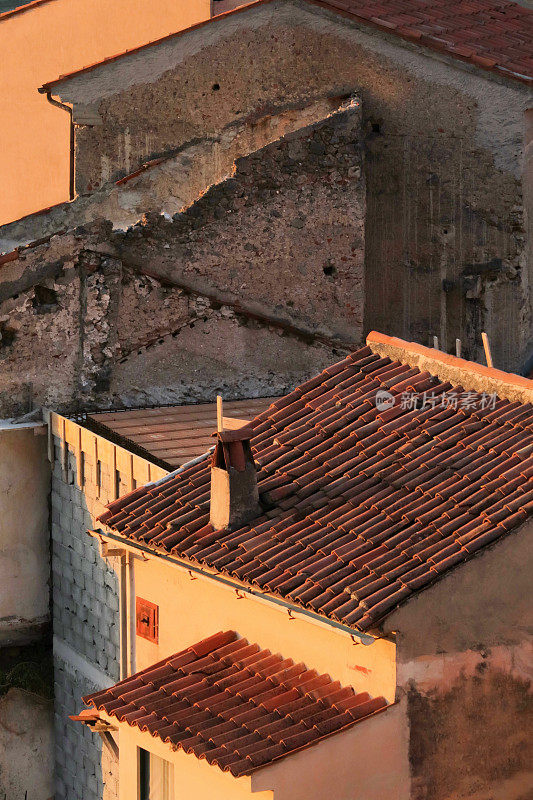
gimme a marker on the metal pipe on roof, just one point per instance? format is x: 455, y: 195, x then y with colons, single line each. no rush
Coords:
x: 123, y: 633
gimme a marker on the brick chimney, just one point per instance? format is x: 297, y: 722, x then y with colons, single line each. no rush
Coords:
x: 234, y: 494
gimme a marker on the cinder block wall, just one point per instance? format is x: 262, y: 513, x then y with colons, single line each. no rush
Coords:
x: 86, y: 632
x: 85, y: 593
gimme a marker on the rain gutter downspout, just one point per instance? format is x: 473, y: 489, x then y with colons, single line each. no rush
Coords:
x: 58, y: 104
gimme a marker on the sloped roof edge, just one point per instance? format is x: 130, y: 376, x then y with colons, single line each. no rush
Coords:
x: 493, y: 61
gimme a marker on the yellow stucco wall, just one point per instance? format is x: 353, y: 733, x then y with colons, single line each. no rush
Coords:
x: 37, y: 46
x: 370, y: 761
x: 190, y: 610
x: 367, y: 762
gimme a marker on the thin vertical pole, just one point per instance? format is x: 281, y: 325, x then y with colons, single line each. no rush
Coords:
x: 486, y: 346
x: 220, y: 411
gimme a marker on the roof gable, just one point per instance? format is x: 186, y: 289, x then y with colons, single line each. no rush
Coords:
x: 363, y: 506
x: 493, y: 35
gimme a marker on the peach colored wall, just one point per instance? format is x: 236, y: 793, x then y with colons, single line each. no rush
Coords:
x: 367, y: 762
x: 37, y: 46
x: 192, y: 778
x: 370, y: 761
x: 190, y: 610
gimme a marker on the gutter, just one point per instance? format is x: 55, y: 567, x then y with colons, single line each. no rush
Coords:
x: 241, y: 590
x: 58, y: 104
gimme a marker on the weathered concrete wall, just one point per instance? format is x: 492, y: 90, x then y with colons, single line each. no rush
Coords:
x: 98, y: 333
x: 261, y: 284
x: 170, y: 184
x: 465, y: 671
x: 26, y: 746
x: 24, y: 534
x: 445, y: 235
x: 286, y: 231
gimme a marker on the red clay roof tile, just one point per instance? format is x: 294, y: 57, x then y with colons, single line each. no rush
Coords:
x: 235, y: 705
x: 358, y: 513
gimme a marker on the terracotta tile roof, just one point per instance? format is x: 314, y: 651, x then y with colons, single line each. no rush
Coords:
x: 495, y: 35
x: 362, y: 507
x: 175, y: 434
x: 234, y: 704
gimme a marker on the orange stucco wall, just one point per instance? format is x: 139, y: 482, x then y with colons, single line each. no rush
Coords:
x: 367, y: 762
x: 192, y: 778
x: 38, y: 45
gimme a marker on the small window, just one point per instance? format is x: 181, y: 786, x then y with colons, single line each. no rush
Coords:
x: 156, y: 777
x: 147, y: 620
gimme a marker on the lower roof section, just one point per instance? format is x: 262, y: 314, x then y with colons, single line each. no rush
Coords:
x: 171, y: 435
x: 236, y: 705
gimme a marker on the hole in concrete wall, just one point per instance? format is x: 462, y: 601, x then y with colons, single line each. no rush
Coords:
x: 7, y: 336
x: 216, y: 87
x: 44, y: 299
x: 329, y: 270
x: 376, y: 127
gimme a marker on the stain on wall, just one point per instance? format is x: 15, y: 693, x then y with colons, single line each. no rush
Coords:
x: 472, y: 741
x: 465, y: 674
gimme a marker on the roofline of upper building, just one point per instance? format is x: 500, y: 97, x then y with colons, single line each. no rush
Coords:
x: 22, y: 9
x: 459, y: 371
x: 486, y: 65
x: 177, y: 34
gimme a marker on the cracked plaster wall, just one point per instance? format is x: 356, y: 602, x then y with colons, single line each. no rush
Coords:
x: 270, y: 265
x: 98, y: 333
x: 445, y: 237
x: 170, y: 184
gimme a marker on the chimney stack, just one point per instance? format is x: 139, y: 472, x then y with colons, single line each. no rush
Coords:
x: 234, y: 494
